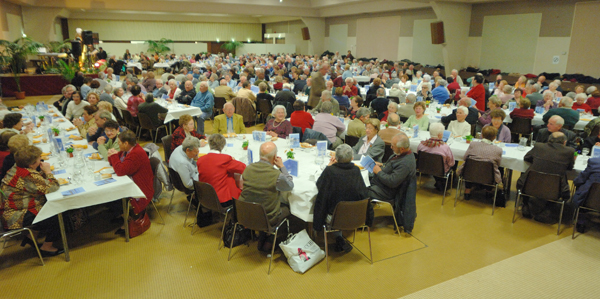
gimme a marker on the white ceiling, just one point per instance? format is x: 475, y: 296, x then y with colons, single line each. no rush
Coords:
x: 230, y: 11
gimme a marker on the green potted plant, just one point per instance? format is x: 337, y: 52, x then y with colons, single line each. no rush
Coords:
x: 245, y: 145
x: 469, y: 138
x: 231, y: 46
x: 159, y: 46
x: 67, y: 70
x: 70, y: 152
x: 56, y: 131
x: 41, y: 117
x: 290, y: 154
x: 14, y: 55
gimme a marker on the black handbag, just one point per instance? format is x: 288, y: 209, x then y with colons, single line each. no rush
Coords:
x: 242, y: 235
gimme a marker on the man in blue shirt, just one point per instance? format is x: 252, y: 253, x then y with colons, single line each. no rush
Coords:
x: 205, y: 101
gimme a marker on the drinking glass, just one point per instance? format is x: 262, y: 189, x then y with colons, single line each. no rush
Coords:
x: 585, y: 152
x: 522, y: 143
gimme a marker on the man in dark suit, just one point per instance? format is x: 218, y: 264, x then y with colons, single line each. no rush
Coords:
x: 555, y: 124
x: 379, y: 104
x: 101, y: 54
x: 472, y: 117
x: 553, y: 157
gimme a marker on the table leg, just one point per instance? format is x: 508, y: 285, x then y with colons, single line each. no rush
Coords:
x: 508, y: 183
x: 63, y: 234
x: 126, y: 218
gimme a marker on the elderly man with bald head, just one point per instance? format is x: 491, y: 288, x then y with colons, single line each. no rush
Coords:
x: 229, y: 121
x: 555, y: 124
x: 326, y: 96
x: 187, y: 94
x: 263, y: 184
x: 553, y: 157
x: 564, y: 110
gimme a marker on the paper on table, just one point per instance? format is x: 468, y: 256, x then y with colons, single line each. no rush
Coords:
x: 446, y: 136
x: 292, y: 166
x: 294, y: 140
x: 511, y: 145
x: 73, y: 191
x: 61, y: 171
x: 104, y: 182
x: 595, y: 152
x: 368, y: 163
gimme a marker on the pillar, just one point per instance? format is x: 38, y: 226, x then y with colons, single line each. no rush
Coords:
x: 457, y: 21
x: 316, y: 28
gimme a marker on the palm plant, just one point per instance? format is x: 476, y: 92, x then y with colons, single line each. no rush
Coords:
x: 231, y: 46
x: 67, y: 70
x: 159, y: 46
x: 58, y: 46
x: 14, y: 55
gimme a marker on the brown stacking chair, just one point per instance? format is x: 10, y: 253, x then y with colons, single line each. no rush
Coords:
x: 166, y: 142
x: 253, y: 216
x: 264, y: 109
x: 394, y: 99
x: 146, y: 124
x: 118, y: 116
x: 479, y: 172
x: 207, y: 197
x: 178, y: 185
x: 348, y: 215
x: 351, y: 140
x: 388, y: 152
x: 591, y: 203
x: 219, y: 104
x: 522, y: 127
x: 4, y: 236
x: 544, y: 186
x: 131, y: 123
x: 433, y: 164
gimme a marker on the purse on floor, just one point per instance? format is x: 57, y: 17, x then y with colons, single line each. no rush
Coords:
x: 139, y: 226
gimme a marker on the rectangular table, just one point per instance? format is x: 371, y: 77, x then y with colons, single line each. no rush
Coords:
x: 56, y: 203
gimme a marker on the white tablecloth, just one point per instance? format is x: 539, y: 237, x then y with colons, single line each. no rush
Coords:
x: 302, y: 197
x: 134, y: 64
x: 93, y: 195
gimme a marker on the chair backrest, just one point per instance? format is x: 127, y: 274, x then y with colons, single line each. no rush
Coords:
x: 145, y: 121
x: 403, y: 119
x: 520, y: 126
x: 595, y: 131
x: 394, y: 99
x: 542, y: 185
x: 176, y: 181
x: 154, y: 162
x: 388, y: 152
x: 481, y: 172
x: 297, y: 130
x: 207, y: 196
x: 349, y: 215
x: 473, y: 130
x: 219, y: 103
x: 129, y: 118
x: 593, y: 198
x: 264, y: 106
x: 118, y: 116
x: 166, y: 142
x: 252, y: 215
x: 351, y: 140
x: 432, y: 164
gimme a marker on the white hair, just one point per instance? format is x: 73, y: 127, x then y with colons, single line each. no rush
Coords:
x: 435, y: 129
x: 464, y: 109
x: 277, y: 107
x: 426, y: 78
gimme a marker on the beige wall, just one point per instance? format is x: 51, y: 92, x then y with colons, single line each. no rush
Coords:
x: 177, y: 31
x: 118, y: 49
x: 376, y: 37
x: 10, y: 20
x: 585, y: 45
x: 293, y: 34
x: 423, y: 51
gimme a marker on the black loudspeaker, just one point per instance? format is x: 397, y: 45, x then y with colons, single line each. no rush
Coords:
x: 96, y: 38
x: 437, y: 33
x: 76, y: 48
x: 88, y: 37
x: 305, y: 34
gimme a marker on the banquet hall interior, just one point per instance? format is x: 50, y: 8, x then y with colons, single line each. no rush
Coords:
x: 456, y: 250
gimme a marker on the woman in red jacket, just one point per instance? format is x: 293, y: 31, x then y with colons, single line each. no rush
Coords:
x: 523, y: 111
x: 131, y: 160
x: 219, y: 170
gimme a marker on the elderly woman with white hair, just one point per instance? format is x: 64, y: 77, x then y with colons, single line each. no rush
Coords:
x: 278, y: 126
x: 548, y: 102
x: 580, y: 99
x: 552, y: 87
x: 392, y: 108
x: 417, y: 77
x: 172, y: 89
x: 435, y: 145
x: 425, y: 93
x: 426, y: 80
x: 460, y: 127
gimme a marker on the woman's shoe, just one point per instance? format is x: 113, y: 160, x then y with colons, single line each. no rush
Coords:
x: 51, y: 253
x: 27, y: 241
x: 120, y: 231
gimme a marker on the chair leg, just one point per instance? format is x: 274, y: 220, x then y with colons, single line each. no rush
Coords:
x: 494, y: 203
x: 223, y: 230
x: 458, y: 188
x: 326, y: 248
x: 395, y: 222
x: 231, y: 243
x: 370, y: 249
x: 575, y: 223
x: 562, y: 207
x: 171, y: 201
x: 445, y: 189
x: 35, y: 245
x: 196, y: 221
x: 188, y: 210
x: 420, y: 182
x: 156, y: 209
x: 516, y: 205
x: 273, y: 249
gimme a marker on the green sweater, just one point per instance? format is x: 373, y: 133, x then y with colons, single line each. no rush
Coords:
x: 260, y: 180
x: 423, y: 122
x: 110, y: 143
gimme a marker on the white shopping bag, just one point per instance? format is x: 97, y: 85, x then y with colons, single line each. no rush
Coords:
x: 302, y: 252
